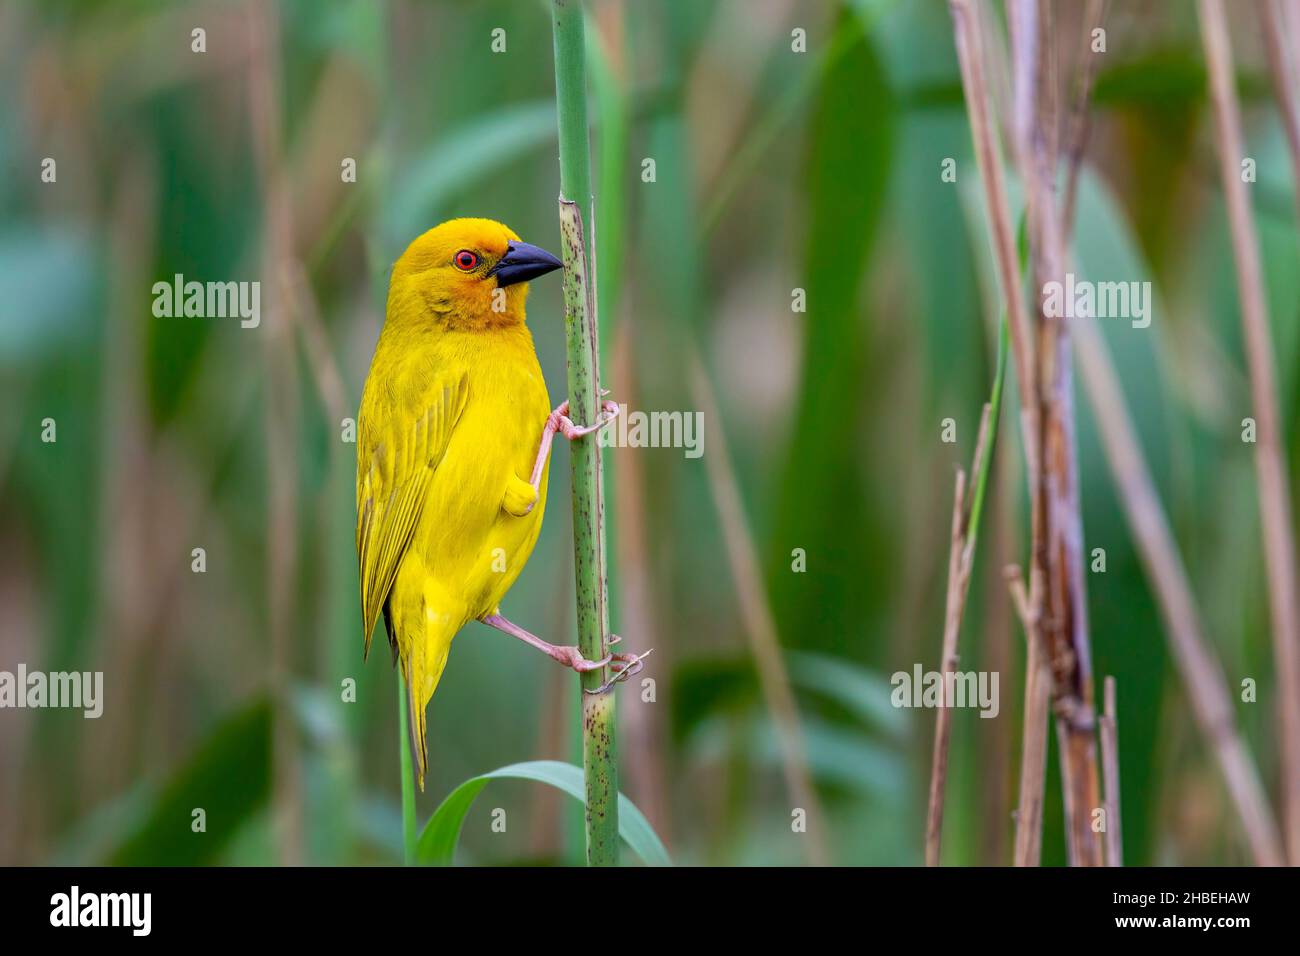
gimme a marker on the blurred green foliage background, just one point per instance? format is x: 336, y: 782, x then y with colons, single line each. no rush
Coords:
x: 774, y: 170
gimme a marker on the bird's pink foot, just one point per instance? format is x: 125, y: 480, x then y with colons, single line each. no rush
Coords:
x: 565, y: 426
x: 622, y: 665
x: 570, y: 656
x: 559, y: 422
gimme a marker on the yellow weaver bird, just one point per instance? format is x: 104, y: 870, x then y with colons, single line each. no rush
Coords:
x: 453, y: 447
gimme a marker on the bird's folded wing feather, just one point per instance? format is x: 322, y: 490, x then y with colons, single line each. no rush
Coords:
x: 399, y: 450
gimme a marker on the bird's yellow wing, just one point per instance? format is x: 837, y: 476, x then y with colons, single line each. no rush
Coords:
x: 399, y: 447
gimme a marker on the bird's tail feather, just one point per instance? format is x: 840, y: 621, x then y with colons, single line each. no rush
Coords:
x: 422, y: 669
x: 415, y: 721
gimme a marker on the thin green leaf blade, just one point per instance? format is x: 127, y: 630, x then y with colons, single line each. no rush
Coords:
x: 437, y: 845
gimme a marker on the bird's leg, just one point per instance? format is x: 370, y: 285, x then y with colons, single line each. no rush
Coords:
x: 559, y: 421
x: 623, y: 665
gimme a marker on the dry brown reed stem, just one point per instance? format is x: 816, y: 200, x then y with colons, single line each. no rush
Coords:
x: 956, y: 599
x: 756, y: 612
x: 1028, y: 845
x: 970, y: 55
x: 1094, y: 15
x: 967, y: 35
x: 642, y: 725
x: 1285, y: 74
x: 961, y: 554
x: 999, y: 650
x: 1060, y: 606
x: 326, y: 373
x: 1207, y: 690
x: 134, y: 551
x: 1291, y: 24
x: 1110, y: 766
x: 1270, y: 458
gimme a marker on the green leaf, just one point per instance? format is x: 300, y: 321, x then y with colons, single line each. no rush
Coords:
x: 705, y: 687
x: 864, y: 693
x: 851, y: 136
x: 438, y: 841
x: 836, y: 755
x: 229, y: 778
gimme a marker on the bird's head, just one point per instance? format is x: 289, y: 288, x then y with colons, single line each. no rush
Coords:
x: 468, y: 273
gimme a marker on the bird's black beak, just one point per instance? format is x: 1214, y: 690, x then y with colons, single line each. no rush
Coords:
x: 523, y: 261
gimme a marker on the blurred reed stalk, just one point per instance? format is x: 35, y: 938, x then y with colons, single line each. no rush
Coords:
x: 1281, y: 19
x: 642, y: 725
x: 1278, y: 20
x: 631, y: 585
x: 1053, y: 608
x: 961, y: 558
x: 1110, y: 765
x: 1060, y: 606
x: 998, y: 649
x: 1270, y: 456
x: 281, y: 406
x: 133, y: 558
x: 1033, y: 760
x: 760, y: 623
x: 580, y: 330
x: 1094, y: 15
x: 1028, y: 847
x: 1206, y: 687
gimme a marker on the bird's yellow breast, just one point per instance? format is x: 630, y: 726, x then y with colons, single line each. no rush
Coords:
x: 466, y: 541
x: 480, y: 393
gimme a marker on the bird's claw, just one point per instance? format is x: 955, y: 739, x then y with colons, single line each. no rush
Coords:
x: 623, y: 666
x: 631, y: 664
x: 608, y: 412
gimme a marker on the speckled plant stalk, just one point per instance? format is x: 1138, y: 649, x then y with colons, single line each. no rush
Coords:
x: 598, y: 739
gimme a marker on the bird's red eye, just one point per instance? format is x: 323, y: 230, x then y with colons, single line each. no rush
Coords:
x: 465, y: 260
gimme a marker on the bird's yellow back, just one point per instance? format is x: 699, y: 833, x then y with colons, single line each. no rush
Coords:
x: 451, y: 416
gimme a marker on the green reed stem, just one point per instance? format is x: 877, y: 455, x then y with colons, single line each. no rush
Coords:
x: 408, y: 773
x: 580, y: 330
